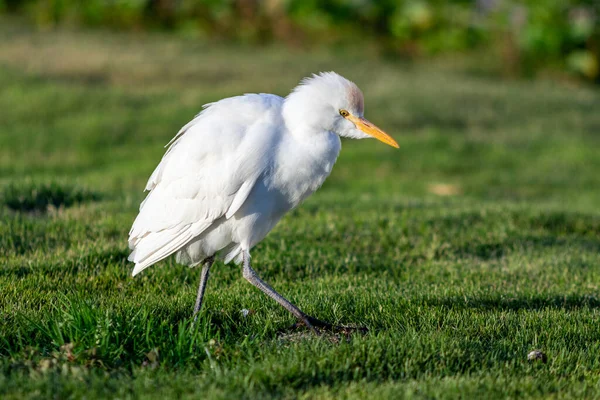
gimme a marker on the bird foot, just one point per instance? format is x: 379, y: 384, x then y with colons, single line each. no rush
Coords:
x: 320, y: 327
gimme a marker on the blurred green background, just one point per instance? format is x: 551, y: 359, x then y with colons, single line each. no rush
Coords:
x: 522, y: 37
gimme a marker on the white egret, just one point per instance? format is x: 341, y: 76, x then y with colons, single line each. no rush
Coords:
x: 231, y: 173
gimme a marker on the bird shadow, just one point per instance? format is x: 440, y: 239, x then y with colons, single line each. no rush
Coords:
x: 70, y: 265
x: 334, y: 333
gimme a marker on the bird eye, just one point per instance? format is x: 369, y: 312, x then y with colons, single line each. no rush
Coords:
x: 344, y: 113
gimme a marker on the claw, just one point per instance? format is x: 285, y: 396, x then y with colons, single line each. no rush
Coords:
x: 327, y: 327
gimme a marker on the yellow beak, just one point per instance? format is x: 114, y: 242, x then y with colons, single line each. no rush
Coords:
x: 370, y: 129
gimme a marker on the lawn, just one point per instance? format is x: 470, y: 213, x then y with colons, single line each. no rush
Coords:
x: 474, y: 244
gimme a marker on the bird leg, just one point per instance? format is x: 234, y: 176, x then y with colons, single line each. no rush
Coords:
x: 310, y: 322
x: 251, y: 276
x: 203, y: 280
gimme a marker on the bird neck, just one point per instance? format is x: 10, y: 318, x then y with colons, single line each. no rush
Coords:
x: 310, y: 148
x: 305, y: 119
x: 303, y: 114
x: 304, y: 160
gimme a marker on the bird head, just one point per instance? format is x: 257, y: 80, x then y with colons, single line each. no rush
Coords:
x: 329, y: 102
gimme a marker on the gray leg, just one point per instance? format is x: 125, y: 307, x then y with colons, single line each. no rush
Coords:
x: 253, y: 278
x: 203, y: 280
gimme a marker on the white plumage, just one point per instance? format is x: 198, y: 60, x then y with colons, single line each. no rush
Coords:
x: 205, y: 177
x: 231, y: 173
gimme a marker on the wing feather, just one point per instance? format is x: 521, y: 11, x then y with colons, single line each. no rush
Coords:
x: 208, y: 172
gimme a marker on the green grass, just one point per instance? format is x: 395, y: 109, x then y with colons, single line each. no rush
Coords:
x: 475, y: 243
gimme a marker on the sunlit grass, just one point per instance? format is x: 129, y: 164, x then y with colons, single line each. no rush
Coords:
x: 475, y: 243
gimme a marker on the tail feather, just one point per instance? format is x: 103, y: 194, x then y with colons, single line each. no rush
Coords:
x: 156, y: 246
